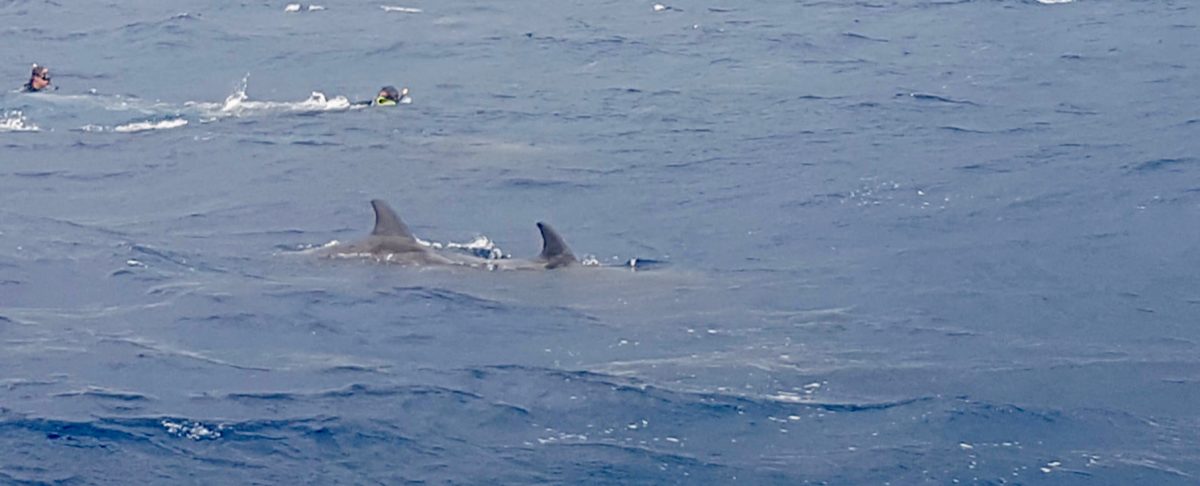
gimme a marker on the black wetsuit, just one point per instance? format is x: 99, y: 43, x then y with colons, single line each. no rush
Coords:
x: 28, y: 88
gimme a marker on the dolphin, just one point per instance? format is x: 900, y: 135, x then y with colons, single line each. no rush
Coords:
x: 391, y: 241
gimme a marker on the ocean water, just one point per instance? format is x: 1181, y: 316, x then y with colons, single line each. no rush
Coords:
x: 890, y: 242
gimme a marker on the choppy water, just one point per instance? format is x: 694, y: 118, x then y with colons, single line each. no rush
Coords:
x: 901, y: 241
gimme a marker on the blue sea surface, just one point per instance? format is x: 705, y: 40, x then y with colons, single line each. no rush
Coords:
x: 892, y: 242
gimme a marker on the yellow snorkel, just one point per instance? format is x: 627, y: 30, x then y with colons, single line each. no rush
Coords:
x: 384, y: 101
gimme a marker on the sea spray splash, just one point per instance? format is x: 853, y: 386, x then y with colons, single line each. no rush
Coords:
x: 15, y: 121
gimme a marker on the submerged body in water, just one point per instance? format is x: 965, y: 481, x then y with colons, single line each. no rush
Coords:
x: 391, y: 241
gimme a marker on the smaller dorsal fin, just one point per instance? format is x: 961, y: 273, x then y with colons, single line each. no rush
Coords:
x: 555, y: 251
x: 387, y: 223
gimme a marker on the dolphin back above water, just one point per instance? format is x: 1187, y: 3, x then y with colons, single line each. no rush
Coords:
x: 391, y: 241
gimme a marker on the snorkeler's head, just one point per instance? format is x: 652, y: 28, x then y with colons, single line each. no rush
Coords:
x: 39, y: 78
x: 388, y: 95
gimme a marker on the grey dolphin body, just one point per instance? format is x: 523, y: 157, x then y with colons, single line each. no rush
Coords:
x: 391, y: 241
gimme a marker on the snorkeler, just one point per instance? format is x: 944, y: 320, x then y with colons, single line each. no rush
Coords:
x: 388, y: 96
x: 39, y: 79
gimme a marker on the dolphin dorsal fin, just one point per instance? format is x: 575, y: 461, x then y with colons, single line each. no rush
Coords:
x: 387, y: 223
x: 554, y: 250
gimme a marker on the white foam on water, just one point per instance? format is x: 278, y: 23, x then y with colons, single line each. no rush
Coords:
x: 193, y: 430
x: 1052, y: 2
x: 105, y: 102
x: 15, y: 121
x: 295, y: 7
x: 150, y: 125
x: 481, y: 246
x: 239, y: 104
x: 394, y: 8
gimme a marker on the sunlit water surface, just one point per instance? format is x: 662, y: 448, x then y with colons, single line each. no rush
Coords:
x: 893, y: 242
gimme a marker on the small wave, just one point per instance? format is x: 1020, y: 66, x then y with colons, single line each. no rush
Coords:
x: 856, y: 35
x: 108, y: 102
x: 307, y: 249
x: 531, y: 183
x: 360, y: 390
x: 150, y: 125
x: 448, y: 297
x: 393, y: 8
x: 1171, y: 165
x: 952, y: 128
x: 15, y: 383
x: 785, y: 397
x: 1073, y: 109
x: 84, y: 434
x: 15, y: 121
x: 161, y: 256
x: 933, y: 97
x: 168, y: 351
x: 239, y: 104
x: 481, y: 246
x: 718, y: 402
x: 193, y: 430
x: 295, y: 7
x: 165, y: 23
x: 1154, y: 464
x: 959, y: 129
x: 632, y: 263
x: 99, y: 392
